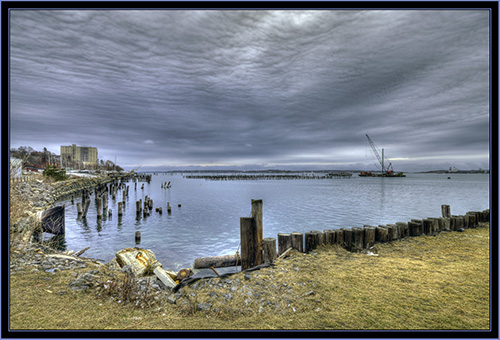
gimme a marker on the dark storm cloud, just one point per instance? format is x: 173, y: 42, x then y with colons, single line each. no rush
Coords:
x: 253, y: 87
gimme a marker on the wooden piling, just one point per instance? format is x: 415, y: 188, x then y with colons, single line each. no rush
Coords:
x: 79, y: 208
x: 329, y: 236
x: 110, y: 212
x: 138, y: 207
x: 284, y: 242
x: 86, y: 207
x: 269, y: 250
x: 249, y: 247
x: 369, y: 237
x: 99, y: 207
x: 311, y: 241
x: 298, y: 241
x: 347, y: 238
x: 445, y: 211
x: 358, y: 240
x: 257, y: 220
x: 428, y: 226
x: 381, y: 234
x: 138, y: 237
x: 320, y: 236
x: 403, y: 229
x: 390, y: 232
x: 120, y: 208
x: 414, y: 228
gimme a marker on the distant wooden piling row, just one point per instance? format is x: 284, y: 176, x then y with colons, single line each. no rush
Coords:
x: 254, y: 177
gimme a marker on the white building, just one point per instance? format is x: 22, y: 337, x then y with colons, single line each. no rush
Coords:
x: 16, y: 167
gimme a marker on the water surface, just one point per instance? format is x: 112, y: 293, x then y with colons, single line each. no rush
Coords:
x: 207, y: 223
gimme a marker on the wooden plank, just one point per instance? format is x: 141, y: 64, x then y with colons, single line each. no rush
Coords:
x: 164, y: 277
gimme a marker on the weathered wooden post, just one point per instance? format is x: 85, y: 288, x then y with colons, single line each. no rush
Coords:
x: 428, y: 226
x: 248, y: 238
x: 104, y: 203
x: 339, y: 237
x: 403, y: 228
x: 311, y: 241
x: 445, y: 211
x: 124, y: 196
x: 86, y: 207
x: 414, y: 228
x: 120, y: 208
x: 369, y: 237
x: 137, y: 207
x: 347, y: 238
x: 320, y: 236
x: 269, y: 250
x: 358, y: 239
x: 137, y: 237
x: 79, y: 208
x: 169, y: 208
x: 390, y: 232
x: 284, y: 242
x: 329, y: 236
x: 99, y: 207
x: 381, y: 234
x: 298, y: 241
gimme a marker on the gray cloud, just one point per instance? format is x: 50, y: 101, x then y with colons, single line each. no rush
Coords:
x: 171, y: 88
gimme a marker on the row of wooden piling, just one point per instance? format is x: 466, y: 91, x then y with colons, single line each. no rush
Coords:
x: 102, y: 193
x: 358, y: 239
x: 255, y: 250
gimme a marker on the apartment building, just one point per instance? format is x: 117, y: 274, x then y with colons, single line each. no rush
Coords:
x: 78, y: 154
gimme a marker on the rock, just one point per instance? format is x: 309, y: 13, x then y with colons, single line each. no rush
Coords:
x: 203, y: 306
x: 172, y: 299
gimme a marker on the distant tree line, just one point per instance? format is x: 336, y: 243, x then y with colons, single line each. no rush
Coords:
x: 31, y: 157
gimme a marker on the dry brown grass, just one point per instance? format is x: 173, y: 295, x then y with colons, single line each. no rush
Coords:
x: 425, y: 282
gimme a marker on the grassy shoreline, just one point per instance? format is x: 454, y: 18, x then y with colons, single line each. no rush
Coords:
x: 420, y: 283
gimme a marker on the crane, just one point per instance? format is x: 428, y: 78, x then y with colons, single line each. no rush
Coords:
x: 380, y: 159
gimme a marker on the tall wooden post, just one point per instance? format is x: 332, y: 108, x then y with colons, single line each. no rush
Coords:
x: 259, y: 228
x: 248, y: 237
x: 445, y: 210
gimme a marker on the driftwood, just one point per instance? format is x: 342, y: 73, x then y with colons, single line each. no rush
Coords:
x: 285, y: 253
x: 78, y: 253
x: 217, y: 261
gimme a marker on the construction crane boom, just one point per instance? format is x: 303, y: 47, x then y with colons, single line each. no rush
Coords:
x: 380, y: 159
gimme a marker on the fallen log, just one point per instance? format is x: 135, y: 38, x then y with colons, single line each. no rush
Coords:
x: 217, y: 261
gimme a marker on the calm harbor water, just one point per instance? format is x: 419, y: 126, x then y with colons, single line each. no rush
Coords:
x: 208, y: 222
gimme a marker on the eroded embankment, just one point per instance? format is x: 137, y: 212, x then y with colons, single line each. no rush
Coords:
x: 29, y: 198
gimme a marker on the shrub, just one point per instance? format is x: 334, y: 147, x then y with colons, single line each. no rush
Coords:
x: 56, y: 174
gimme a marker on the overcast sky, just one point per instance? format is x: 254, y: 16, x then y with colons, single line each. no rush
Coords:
x: 254, y: 89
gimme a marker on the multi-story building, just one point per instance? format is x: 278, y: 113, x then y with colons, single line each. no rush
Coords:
x: 78, y: 154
